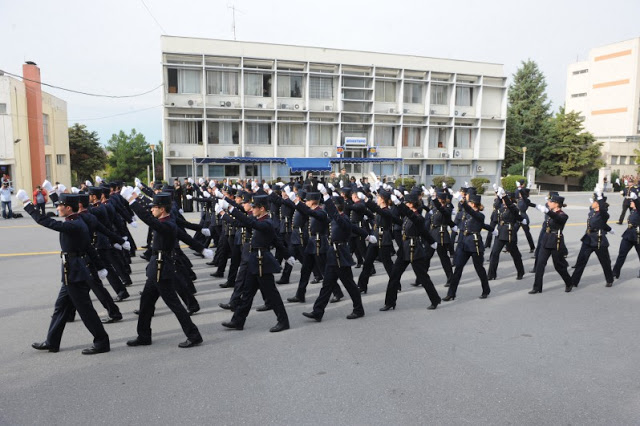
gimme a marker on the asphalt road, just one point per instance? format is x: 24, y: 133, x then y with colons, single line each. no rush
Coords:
x: 514, y: 358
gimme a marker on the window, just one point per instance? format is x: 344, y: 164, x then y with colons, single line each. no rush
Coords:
x: 320, y: 135
x: 185, y: 132
x: 411, y: 137
x: 233, y: 170
x: 412, y: 93
x: 385, y: 136
x: 3, y: 108
x: 459, y: 170
x: 439, y: 94
x: 614, y: 160
x: 45, y: 129
x: 623, y: 160
x: 222, y: 83
x: 61, y: 159
x: 258, y: 134
x: 178, y: 170
x: 578, y: 95
x: 251, y: 170
x: 223, y: 133
x: 257, y: 84
x: 437, y: 137
x: 291, y: 134
x: 464, y: 96
x: 382, y: 170
x: 462, y: 139
x: 321, y: 88
x: 632, y: 159
x: 354, y: 82
x: 47, y: 167
x: 290, y: 86
x: 435, y: 169
x: 385, y: 91
x: 183, y: 80
x: 220, y: 171
x: 412, y: 169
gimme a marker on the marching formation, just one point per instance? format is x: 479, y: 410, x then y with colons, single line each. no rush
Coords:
x: 260, y: 230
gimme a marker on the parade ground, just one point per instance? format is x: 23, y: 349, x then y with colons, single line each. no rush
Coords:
x: 514, y: 358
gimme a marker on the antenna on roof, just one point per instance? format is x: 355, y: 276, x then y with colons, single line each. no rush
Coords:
x: 233, y: 9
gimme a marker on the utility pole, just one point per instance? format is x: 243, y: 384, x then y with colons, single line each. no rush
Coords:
x: 233, y: 9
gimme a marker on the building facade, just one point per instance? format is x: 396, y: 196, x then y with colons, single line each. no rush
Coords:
x: 605, y: 90
x: 240, y: 99
x: 34, y: 138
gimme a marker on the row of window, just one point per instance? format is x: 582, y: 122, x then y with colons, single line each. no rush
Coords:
x: 291, y: 86
x: 623, y: 160
x: 228, y: 133
x: 61, y: 159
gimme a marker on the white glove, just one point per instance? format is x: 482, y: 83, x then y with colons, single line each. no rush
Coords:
x: 136, y: 191
x: 495, y: 187
x: 621, y: 192
x: 322, y: 189
x: 325, y: 196
x: 206, y: 232
x: 189, y: 197
x: 137, y: 181
x: 291, y: 261
x: 206, y: 194
x: 612, y: 232
x: 434, y: 246
x: 398, y: 193
x: 293, y: 197
x: 218, y: 194
x: 254, y: 186
x: 455, y: 228
x: 372, y: 239
x: 501, y: 192
x: 466, y: 184
x: 359, y: 184
x: 618, y: 181
x: 200, y: 181
x: 633, y: 196
x: 266, y: 187
x: 126, y: 192
x: 98, y: 180
x: 224, y: 205
x: 590, y: 200
x: 494, y: 232
x: 395, y: 200
x: 360, y: 196
x: 217, y: 209
x: 126, y: 245
x: 47, y: 186
x: 626, y: 182
x: 386, y: 187
x: 432, y: 193
x: 456, y: 195
x: 190, y: 180
x: 212, y: 184
x: 207, y: 253
x: 280, y: 184
x: 287, y: 190
x: 88, y: 183
x: 524, y: 222
x: 117, y: 246
x: 22, y: 196
x: 102, y: 274
x: 444, y: 185
x: 330, y: 185
x: 180, y: 211
x: 60, y: 189
x: 542, y: 209
x: 134, y: 224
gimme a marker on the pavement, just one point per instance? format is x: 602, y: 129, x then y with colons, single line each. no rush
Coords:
x: 514, y: 358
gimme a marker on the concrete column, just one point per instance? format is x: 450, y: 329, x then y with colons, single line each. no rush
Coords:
x: 31, y: 74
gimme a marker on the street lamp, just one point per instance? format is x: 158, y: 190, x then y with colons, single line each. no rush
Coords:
x: 524, y: 155
x: 153, y: 163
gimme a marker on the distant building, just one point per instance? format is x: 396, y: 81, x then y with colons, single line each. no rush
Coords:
x: 605, y: 89
x: 34, y: 137
x: 256, y: 100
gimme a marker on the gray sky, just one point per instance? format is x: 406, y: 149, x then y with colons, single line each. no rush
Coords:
x: 113, y: 47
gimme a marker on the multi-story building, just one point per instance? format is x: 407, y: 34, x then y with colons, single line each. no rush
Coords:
x: 34, y: 137
x: 605, y: 90
x: 240, y: 99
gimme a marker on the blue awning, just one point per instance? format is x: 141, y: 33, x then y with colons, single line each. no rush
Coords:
x: 309, y: 164
x: 365, y: 160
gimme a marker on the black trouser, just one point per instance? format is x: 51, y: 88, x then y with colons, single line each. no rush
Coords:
x: 420, y: 269
x: 331, y: 275
x: 356, y: 247
x: 487, y: 243
x: 559, y: 262
x: 444, y: 259
x: 372, y: 253
x: 625, y: 206
x: 625, y: 247
x: 462, y: 257
x: 103, y: 295
x: 527, y: 233
x: 41, y: 208
x: 236, y: 257
x: 397, y: 237
x: 310, y: 262
x: 239, y: 283
x: 270, y: 293
x: 583, y: 258
x: 222, y: 253
x: 76, y: 296
x: 114, y: 268
x: 166, y: 290
x: 494, y: 258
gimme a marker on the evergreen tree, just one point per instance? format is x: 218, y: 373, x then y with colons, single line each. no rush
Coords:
x: 130, y: 156
x: 571, y: 151
x: 86, y: 154
x: 527, y: 115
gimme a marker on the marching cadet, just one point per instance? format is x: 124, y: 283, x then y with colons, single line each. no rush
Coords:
x: 508, y: 220
x: 626, y: 201
x: 262, y: 264
x: 470, y: 244
x: 493, y: 220
x: 160, y: 270
x: 339, y: 259
x: 522, y: 195
x: 552, y: 243
x: 357, y: 212
x: 74, y: 292
x: 631, y: 236
x: 414, y: 252
x: 441, y: 213
x: 595, y: 239
x: 543, y: 230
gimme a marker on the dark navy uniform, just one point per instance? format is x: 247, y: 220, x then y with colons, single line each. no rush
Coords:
x: 523, y: 206
x: 438, y: 228
x: 626, y: 202
x: 508, y: 222
x: 630, y: 239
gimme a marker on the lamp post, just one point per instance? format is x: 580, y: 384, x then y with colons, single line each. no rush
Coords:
x: 153, y: 163
x: 524, y: 156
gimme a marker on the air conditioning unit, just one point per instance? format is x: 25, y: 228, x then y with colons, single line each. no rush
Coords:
x: 479, y: 169
x: 416, y: 155
x: 233, y: 153
x: 328, y: 107
x: 227, y: 104
x: 456, y: 113
x: 325, y: 154
x: 405, y: 110
x: 296, y: 106
x: 392, y: 110
x: 222, y: 103
x: 444, y: 155
x: 191, y: 102
x: 433, y: 111
x: 248, y: 154
x: 262, y: 106
x: 457, y: 154
x: 284, y: 106
x: 172, y: 154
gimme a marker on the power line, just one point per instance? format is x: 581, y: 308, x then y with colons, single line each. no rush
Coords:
x: 87, y: 119
x: 154, y: 18
x: 81, y: 92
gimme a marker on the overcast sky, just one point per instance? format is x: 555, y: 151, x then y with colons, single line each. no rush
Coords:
x: 113, y: 47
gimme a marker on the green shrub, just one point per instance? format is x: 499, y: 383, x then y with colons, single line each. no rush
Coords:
x: 509, y: 182
x: 478, y: 184
x: 408, y: 183
x: 590, y: 180
x: 437, y: 181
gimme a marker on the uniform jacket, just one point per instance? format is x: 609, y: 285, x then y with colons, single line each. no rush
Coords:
x: 260, y: 259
